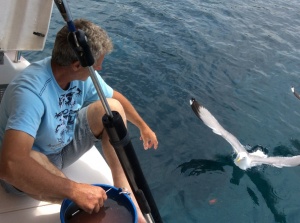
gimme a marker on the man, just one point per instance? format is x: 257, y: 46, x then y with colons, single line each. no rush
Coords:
x: 51, y: 114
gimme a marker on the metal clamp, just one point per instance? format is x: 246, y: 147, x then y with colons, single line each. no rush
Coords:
x: 124, y: 191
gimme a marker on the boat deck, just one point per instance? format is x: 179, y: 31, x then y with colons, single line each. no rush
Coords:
x: 90, y: 168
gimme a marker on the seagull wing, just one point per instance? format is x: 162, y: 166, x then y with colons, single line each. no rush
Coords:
x: 209, y: 120
x: 295, y: 92
x: 277, y: 161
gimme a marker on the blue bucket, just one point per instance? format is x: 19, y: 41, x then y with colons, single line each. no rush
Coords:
x: 118, y: 208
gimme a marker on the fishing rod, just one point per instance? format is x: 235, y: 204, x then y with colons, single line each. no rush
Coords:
x: 113, y: 123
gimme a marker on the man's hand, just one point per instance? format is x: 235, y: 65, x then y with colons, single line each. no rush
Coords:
x: 149, y: 138
x: 88, y: 197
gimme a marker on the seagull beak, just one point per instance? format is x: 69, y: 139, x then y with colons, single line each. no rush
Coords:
x: 238, y: 159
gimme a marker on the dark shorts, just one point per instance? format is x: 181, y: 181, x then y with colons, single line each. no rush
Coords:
x: 83, y: 140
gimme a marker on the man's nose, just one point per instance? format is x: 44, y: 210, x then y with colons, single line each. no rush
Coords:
x: 98, y: 67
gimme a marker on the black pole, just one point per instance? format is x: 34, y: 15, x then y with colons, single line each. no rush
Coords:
x: 113, y: 123
x: 119, y: 138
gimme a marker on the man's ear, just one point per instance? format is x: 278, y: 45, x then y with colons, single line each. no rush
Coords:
x: 76, y: 65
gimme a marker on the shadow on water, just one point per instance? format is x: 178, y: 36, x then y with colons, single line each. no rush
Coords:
x: 196, y: 167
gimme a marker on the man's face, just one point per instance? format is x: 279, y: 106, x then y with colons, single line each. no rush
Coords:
x: 98, y: 63
x: 84, y: 73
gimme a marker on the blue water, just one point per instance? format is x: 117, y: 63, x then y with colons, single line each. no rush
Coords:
x: 239, y: 59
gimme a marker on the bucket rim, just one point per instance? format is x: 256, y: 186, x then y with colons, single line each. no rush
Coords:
x: 67, y: 202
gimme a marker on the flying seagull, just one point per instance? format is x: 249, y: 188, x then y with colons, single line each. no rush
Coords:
x: 244, y: 159
x: 295, y: 92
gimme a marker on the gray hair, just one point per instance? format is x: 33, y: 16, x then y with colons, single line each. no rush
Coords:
x: 98, y: 40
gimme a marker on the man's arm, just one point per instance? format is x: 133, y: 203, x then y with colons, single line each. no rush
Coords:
x: 18, y: 168
x: 147, y: 135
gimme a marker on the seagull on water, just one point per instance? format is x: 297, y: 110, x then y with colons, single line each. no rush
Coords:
x: 244, y: 159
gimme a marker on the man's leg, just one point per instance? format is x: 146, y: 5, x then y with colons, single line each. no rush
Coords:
x: 95, y: 114
x: 44, y: 161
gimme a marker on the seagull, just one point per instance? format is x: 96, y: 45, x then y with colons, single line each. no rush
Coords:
x: 295, y: 92
x: 244, y: 159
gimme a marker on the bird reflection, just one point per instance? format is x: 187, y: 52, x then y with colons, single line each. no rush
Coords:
x: 196, y: 167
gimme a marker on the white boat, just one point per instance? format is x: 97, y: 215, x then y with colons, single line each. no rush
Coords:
x: 24, y: 26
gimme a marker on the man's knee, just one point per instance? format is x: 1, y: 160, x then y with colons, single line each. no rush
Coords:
x: 96, y: 110
x: 114, y: 105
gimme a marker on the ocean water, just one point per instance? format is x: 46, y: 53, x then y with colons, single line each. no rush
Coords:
x: 239, y: 59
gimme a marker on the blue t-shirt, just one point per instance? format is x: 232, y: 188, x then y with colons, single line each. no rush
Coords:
x: 34, y: 103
